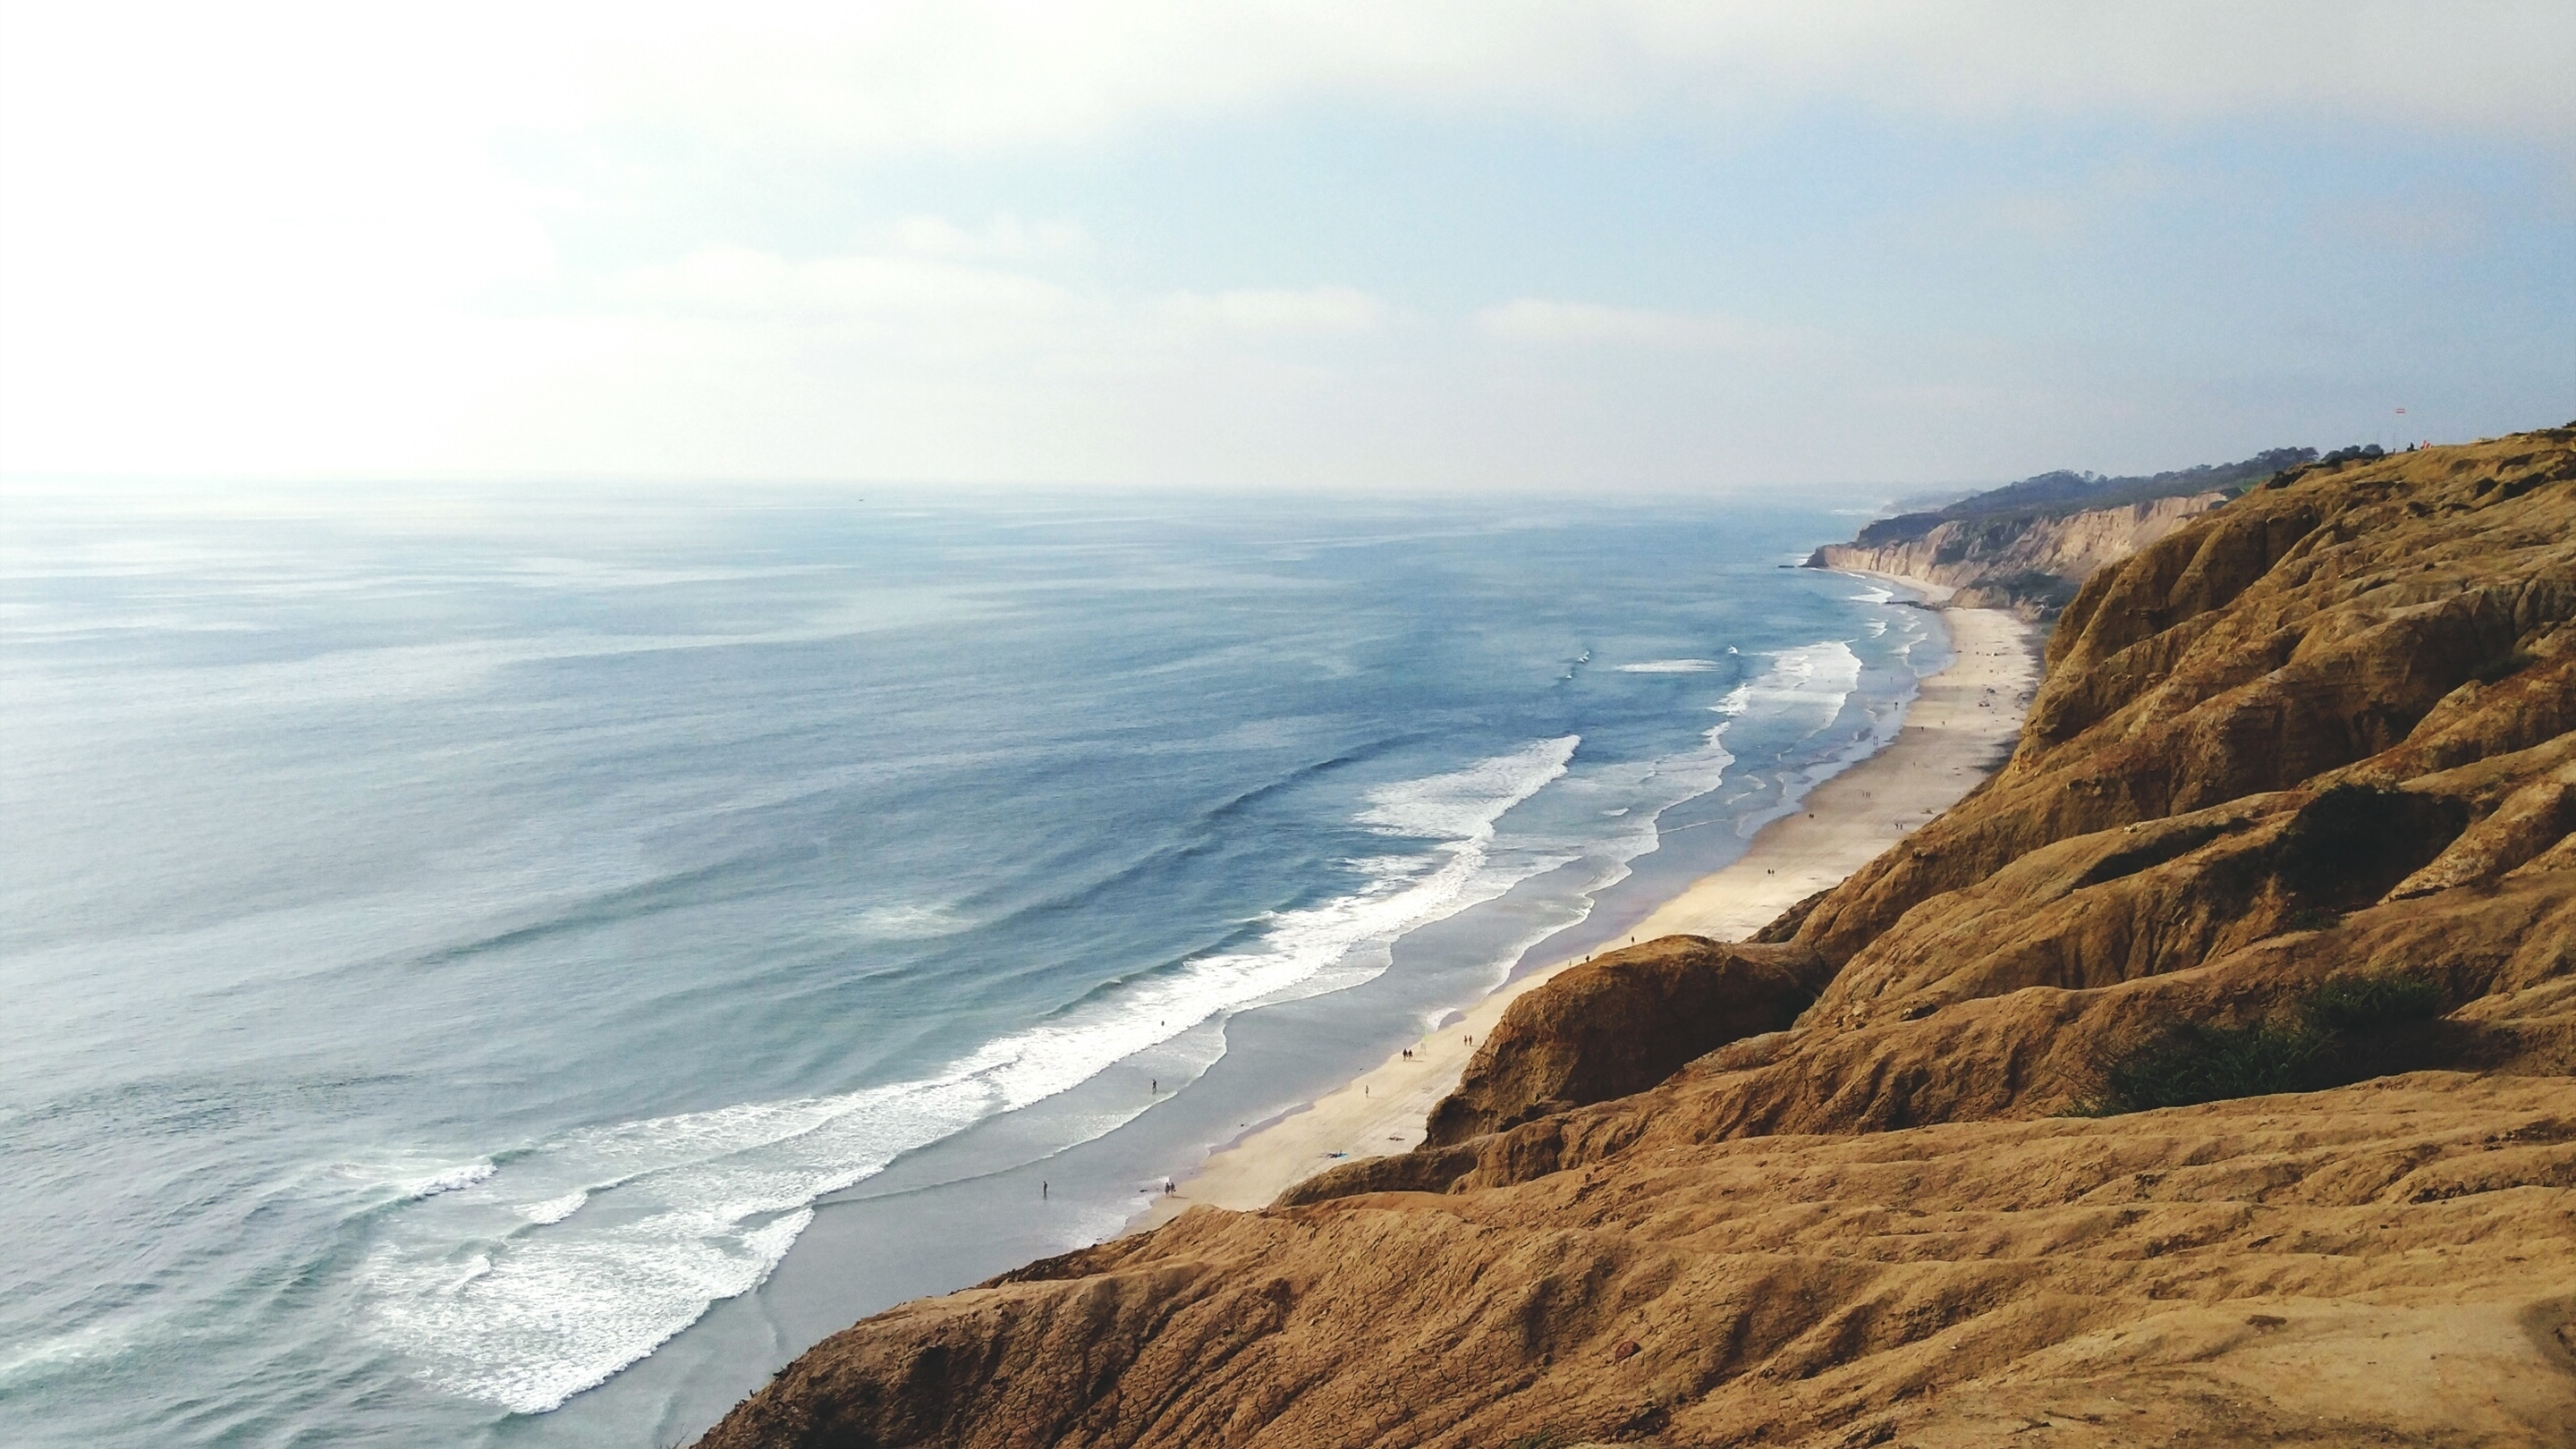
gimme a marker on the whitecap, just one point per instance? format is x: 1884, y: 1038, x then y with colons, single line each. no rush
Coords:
x: 450, y: 1179
x: 1462, y: 805
x: 1806, y: 686
x: 556, y: 1209
x: 909, y: 922
x: 31, y: 1361
x: 1669, y: 666
x: 708, y: 1202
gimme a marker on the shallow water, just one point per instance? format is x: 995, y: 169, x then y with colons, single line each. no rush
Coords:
x: 508, y: 968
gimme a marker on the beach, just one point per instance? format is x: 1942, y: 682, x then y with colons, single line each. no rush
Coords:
x: 1958, y: 729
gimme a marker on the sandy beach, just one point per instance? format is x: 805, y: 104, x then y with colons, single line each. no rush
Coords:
x: 1956, y: 731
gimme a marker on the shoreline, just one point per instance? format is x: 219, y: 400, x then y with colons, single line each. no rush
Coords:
x: 1960, y: 725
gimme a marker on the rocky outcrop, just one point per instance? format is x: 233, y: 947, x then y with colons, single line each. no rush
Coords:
x: 2391, y: 1269
x: 1620, y: 1024
x: 2390, y: 621
x: 2029, y: 566
x: 2325, y: 735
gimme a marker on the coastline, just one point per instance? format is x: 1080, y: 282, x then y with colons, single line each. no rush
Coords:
x: 1956, y: 731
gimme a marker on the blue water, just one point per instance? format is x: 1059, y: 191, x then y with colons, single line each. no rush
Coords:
x: 484, y: 967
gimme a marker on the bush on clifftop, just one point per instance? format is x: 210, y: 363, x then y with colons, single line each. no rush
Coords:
x: 2332, y: 1036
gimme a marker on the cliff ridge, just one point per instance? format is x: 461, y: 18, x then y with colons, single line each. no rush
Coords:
x: 2028, y: 546
x: 2202, y: 1077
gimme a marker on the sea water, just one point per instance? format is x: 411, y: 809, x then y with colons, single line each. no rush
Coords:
x: 491, y: 966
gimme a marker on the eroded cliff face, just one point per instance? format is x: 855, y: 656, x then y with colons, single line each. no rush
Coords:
x: 2031, y: 567
x: 2327, y: 733
x: 1619, y: 1025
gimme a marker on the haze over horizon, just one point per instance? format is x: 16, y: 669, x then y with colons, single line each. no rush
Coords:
x: 1517, y: 247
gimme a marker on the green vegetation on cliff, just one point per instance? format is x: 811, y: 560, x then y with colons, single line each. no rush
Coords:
x: 2055, y: 495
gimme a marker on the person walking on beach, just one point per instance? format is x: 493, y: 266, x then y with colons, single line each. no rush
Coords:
x: 1042, y: 1192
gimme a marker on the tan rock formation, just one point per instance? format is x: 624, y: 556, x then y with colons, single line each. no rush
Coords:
x: 2025, y: 565
x: 2389, y: 1268
x: 2322, y: 734
x: 1620, y: 1024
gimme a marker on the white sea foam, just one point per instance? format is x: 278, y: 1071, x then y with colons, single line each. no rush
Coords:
x: 908, y: 922
x: 501, y: 1296
x: 1462, y: 805
x: 1669, y: 666
x: 1805, y: 687
x: 33, y: 1360
x: 1874, y: 595
x: 1808, y: 685
x: 556, y: 1209
x: 451, y: 1179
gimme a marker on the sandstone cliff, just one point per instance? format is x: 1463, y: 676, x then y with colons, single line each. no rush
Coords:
x: 2028, y: 546
x: 2030, y: 566
x: 2308, y: 752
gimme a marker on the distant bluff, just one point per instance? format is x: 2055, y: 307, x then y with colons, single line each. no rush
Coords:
x: 2287, y: 835
x: 2028, y: 546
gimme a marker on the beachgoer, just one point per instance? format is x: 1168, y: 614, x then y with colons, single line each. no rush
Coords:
x: 1042, y: 1192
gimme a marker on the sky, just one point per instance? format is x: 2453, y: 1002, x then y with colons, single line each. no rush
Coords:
x: 1404, y: 245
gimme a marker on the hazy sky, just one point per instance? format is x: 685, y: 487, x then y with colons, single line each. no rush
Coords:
x: 1476, y: 244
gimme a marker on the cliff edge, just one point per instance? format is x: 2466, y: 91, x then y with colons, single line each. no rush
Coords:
x: 2031, y: 567
x: 2028, y: 546
x: 2203, y: 1077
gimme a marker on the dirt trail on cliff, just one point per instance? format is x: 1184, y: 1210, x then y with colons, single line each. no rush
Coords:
x: 2321, y: 740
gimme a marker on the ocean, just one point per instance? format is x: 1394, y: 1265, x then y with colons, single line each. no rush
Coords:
x: 514, y: 967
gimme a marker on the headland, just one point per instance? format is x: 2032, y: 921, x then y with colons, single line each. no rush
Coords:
x: 2206, y: 1075
x: 1957, y: 729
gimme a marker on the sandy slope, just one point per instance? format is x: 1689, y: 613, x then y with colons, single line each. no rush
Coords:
x: 1954, y: 734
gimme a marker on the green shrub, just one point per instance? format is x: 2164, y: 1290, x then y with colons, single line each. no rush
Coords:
x: 2345, y: 1005
x: 2328, y: 1038
x: 2189, y: 1062
x: 2505, y: 667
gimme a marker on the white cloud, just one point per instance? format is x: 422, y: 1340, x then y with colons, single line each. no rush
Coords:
x: 269, y: 237
x: 1316, y: 311
x: 1532, y: 319
x: 1004, y: 237
x: 741, y: 283
x: 959, y: 74
x: 915, y: 75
